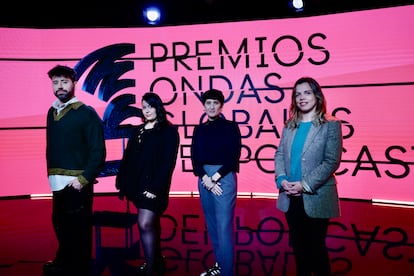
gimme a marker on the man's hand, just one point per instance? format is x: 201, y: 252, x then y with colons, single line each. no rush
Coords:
x: 75, y: 184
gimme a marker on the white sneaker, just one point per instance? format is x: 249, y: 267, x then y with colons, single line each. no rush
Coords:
x: 212, y: 271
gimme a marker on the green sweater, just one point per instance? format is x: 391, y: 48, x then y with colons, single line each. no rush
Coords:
x: 75, y: 143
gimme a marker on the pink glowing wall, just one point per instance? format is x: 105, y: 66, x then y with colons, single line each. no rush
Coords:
x: 364, y: 61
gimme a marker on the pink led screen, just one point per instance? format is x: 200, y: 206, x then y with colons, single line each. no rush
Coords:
x: 364, y: 61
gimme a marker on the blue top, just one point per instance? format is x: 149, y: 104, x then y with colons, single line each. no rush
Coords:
x: 296, y: 151
x: 296, y: 154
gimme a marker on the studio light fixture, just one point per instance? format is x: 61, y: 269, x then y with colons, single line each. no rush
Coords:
x: 297, y: 5
x: 152, y: 15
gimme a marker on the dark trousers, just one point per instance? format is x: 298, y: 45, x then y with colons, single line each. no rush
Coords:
x: 307, y: 238
x: 72, y: 223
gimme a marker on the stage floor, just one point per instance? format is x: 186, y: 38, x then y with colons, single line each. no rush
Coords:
x: 367, y: 239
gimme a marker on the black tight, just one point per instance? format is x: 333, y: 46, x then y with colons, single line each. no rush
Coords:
x: 150, y: 229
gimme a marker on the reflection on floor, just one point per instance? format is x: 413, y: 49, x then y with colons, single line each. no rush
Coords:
x: 367, y: 239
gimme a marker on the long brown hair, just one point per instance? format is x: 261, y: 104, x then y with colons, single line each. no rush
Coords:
x: 295, y: 115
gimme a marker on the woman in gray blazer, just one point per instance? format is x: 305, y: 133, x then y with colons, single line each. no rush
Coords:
x: 306, y: 159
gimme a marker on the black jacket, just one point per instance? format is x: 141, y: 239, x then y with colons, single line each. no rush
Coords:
x: 147, y: 165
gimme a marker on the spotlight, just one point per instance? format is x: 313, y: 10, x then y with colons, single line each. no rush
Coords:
x: 297, y: 5
x: 152, y: 15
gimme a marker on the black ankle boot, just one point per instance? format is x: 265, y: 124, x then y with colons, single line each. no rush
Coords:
x: 160, y: 266
x: 142, y: 269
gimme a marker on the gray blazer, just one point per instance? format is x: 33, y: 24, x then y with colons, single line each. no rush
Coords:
x: 321, y: 157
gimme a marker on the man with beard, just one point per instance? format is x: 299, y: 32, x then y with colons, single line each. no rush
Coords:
x: 75, y: 154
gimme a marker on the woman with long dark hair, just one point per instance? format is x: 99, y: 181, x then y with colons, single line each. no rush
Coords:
x: 145, y: 175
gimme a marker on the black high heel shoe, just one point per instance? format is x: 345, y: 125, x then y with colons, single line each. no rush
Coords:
x: 159, y: 268
x: 142, y: 269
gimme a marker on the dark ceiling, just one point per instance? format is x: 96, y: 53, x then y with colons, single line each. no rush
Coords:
x: 128, y: 13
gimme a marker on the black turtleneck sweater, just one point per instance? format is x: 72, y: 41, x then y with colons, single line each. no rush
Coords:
x: 216, y: 142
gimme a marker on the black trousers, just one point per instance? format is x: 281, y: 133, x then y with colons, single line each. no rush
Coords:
x: 307, y: 237
x: 72, y: 223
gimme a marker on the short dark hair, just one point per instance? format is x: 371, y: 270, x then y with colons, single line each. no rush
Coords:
x: 213, y: 94
x: 62, y: 70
